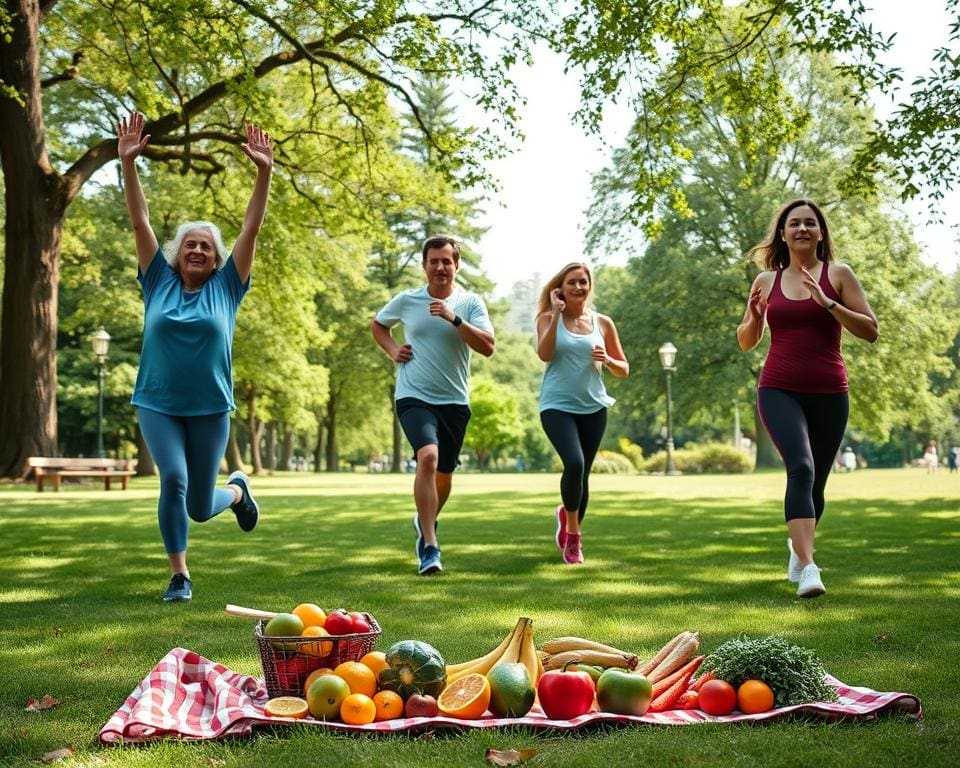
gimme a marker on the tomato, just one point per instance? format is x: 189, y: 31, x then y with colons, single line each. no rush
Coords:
x: 565, y: 695
x: 339, y: 623
x: 623, y: 693
x: 359, y: 621
x: 718, y: 697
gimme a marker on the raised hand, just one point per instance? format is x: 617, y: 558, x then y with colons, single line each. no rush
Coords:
x: 557, y: 302
x: 814, y: 287
x: 129, y: 142
x: 758, y: 304
x: 258, y: 147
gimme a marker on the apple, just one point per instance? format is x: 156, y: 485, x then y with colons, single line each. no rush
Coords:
x: 623, y: 693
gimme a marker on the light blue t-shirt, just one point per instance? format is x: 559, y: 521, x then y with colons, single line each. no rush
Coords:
x: 186, y: 357
x: 571, y: 381
x: 438, y: 371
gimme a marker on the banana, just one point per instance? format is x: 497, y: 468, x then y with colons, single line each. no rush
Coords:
x: 512, y: 654
x: 495, y: 654
x: 528, y: 654
x: 562, y: 644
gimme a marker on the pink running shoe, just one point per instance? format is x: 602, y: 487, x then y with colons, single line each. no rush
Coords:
x: 561, y: 527
x: 572, y: 554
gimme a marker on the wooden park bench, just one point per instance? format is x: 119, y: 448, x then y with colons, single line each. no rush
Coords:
x: 108, y: 469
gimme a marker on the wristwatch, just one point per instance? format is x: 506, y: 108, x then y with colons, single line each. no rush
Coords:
x: 457, y: 320
x: 831, y: 305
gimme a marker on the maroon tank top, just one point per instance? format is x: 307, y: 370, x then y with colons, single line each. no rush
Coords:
x: 804, y: 351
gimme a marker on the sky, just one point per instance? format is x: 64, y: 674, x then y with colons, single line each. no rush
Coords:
x: 537, y: 219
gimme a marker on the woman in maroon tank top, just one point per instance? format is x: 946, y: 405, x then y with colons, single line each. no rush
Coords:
x: 807, y: 299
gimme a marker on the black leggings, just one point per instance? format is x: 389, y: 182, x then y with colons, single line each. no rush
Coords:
x: 807, y: 429
x: 576, y: 437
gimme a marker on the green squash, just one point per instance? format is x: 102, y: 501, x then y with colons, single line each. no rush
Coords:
x: 414, y: 667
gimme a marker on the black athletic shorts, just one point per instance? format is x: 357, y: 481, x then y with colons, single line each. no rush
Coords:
x: 441, y: 425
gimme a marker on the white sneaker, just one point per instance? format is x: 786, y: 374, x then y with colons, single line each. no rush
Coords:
x: 793, y: 565
x: 810, y: 584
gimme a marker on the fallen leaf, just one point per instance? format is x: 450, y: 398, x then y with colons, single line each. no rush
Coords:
x: 57, y: 754
x: 216, y: 761
x: 881, y: 638
x: 47, y: 702
x: 509, y: 756
x: 57, y: 631
x: 108, y: 650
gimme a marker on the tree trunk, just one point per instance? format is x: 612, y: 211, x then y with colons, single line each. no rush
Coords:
x: 333, y: 453
x: 255, y: 428
x: 234, y: 457
x: 318, y: 448
x: 271, y: 446
x: 286, y: 447
x: 36, y: 199
x: 145, y: 465
x: 397, y: 452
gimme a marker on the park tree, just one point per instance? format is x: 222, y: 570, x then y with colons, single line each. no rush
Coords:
x: 495, y: 427
x: 69, y: 69
x: 739, y: 153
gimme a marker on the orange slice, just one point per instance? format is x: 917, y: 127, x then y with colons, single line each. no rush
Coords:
x: 286, y: 706
x: 466, y: 698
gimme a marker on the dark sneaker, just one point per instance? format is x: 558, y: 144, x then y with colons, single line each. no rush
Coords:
x: 430, y: 562
x: 418, y: 548
x: 180, y: 589
x: 561, y: 527
x: 247, y: 510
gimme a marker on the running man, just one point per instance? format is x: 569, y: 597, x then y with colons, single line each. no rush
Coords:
x: 442, y: 324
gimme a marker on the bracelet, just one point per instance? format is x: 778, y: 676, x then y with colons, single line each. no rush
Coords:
x: 457, y: 320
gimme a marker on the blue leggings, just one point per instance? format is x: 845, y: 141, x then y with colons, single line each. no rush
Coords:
x: 187, y: 451
x: 576, y: 437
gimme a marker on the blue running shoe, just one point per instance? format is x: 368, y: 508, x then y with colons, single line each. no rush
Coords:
x: 430, y: 562
x: 180, y: 589
x: 247, y: 510
x: 418, y: 548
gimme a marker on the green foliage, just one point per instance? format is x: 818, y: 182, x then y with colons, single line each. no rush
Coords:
x: 695, y: 458
x: 632, y: 451
x: 612, y: 463
x: 495, y: 424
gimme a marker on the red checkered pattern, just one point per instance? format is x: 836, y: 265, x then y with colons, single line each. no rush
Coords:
x: 190, y: 697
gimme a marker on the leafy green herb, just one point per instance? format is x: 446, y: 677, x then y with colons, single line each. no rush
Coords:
x: 795, y: 674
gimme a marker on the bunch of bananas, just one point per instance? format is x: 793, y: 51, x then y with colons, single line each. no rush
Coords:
x: 517, y: 647
x: 561, y: 650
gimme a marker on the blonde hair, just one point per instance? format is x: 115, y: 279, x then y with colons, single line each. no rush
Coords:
x: 543, y: 306
x: 772, y: 252
x: 171, y: 248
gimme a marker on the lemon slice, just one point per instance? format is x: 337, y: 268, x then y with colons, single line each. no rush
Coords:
x: 286, y: 706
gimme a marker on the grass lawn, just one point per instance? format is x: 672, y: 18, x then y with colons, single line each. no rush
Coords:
x: 82, y: 573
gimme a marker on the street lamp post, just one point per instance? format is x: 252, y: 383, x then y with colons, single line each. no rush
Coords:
x: 668, y: 354
x: 101, y: 343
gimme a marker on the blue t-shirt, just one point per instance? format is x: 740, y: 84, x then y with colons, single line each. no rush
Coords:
x: 186, y: 357
x: 572, y: 382
x: 437, y: 373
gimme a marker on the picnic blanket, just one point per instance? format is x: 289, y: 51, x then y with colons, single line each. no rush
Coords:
x: 190, y: 697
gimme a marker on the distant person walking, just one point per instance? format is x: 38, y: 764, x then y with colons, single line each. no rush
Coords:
x: 952, y: 458
x: 442, y: 323
x: 192, y: 289
x: 930, y: 458
x: 577, y: 344
x: 808, y: 299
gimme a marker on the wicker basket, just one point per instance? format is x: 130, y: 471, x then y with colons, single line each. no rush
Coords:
x: 287, y: 661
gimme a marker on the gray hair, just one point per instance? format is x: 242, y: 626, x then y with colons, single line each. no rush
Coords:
x: 171, y: 248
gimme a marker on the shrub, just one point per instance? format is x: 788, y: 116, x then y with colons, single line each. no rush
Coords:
x: 632, y: 451
x: 696, y: 459
x: 613, y: 463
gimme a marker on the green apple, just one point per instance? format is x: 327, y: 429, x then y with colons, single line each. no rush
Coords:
x: 623, y: 693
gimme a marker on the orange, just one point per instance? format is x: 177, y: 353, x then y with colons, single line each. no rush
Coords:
x: 314, y: 675
x: 358, y: 709
x: 316, y: 649
x: 286, y: 706
x: 754, y: 696
x: 310, y: 614
x: 466, y: 698
x: 389, y: 705
x: 375, y: 660
x: 359, y: 677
